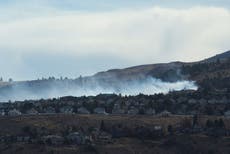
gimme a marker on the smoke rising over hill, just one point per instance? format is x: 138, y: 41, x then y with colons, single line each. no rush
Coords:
x: 86, y: 87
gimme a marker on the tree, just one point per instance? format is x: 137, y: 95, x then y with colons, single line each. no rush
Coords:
x: 102, y: 126
x: 186, y: 123
x: 209, y: 110
x: 10, y: 80
x: 170, y: 129
x: 228, y: 90
x: 195, y: 120
x: 142, y: 111
x: 218, y: 61
x: 26, y: 129
x: 209, y: 124
x: 220, y: 123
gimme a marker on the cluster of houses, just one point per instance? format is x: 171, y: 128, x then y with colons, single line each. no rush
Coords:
x: 73, y: 138
x: 107, y: 133
x: 78, y: 138
x: 115, y: 104
x: 82, y: 110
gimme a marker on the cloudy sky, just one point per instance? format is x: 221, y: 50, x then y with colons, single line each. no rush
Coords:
x: 41, y: 38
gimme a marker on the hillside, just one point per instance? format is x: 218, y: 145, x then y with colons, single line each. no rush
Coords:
x: 165, y: 71
x: 212, y: 73
x: 216, y: 67
x: 222, y: 56
x: 183, y: 121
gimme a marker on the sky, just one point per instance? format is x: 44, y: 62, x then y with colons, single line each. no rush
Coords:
x: 41, y: 38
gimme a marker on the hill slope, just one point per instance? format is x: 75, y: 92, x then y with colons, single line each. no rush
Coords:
x: 212, y: 73
x: 174, y: 71
x: 222, y: 56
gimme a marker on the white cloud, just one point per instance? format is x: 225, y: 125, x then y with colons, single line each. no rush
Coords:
x: 139, y: 36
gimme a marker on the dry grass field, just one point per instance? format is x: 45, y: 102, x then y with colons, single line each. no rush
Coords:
x: 57, y: 123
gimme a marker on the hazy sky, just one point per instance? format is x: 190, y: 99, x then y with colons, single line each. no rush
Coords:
x: 81, y: 37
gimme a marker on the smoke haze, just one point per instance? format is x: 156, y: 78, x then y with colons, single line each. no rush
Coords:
x: 58, y: 88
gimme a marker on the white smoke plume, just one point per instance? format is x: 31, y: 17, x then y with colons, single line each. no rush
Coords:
x: 56, y: 89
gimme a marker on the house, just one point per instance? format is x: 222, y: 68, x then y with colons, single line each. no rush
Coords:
x: 224, y: 100
x: 197, y: 129
x: 100, y: 110
x: 71, y: 103
x: 136, y: 103
x: 227, y: 114
x: 202, y: 101
x: 76, y: 138
x: 173, y: 101
x: 192, y: 101
x: 212, y: 101
x: 79, y: 103
x: 216, y: 132
x: 133, y: 111
x: 53, y: 140
x: 88, y: 139
x: 2, y: 139
x: 193, y: 112
x: 49, y: 110
x: 2, y: 106
x: 2, y: 113
x: 82, y: 110
x: 14, y: 112
x: 142, y: 105
x: 66, y: 110
x: 36, y: 104
x: 165, y: 114
x: 128, y: 103
x: 32, y: 112
x: 157, y: 127
x: 157, y: 131
x: 110, y: 101
x: 181, y: 100
x: 24, y: 139
x: 103, y: 138
x: 150, y: 111
x: 117, y: 109
x: 100, y: 102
